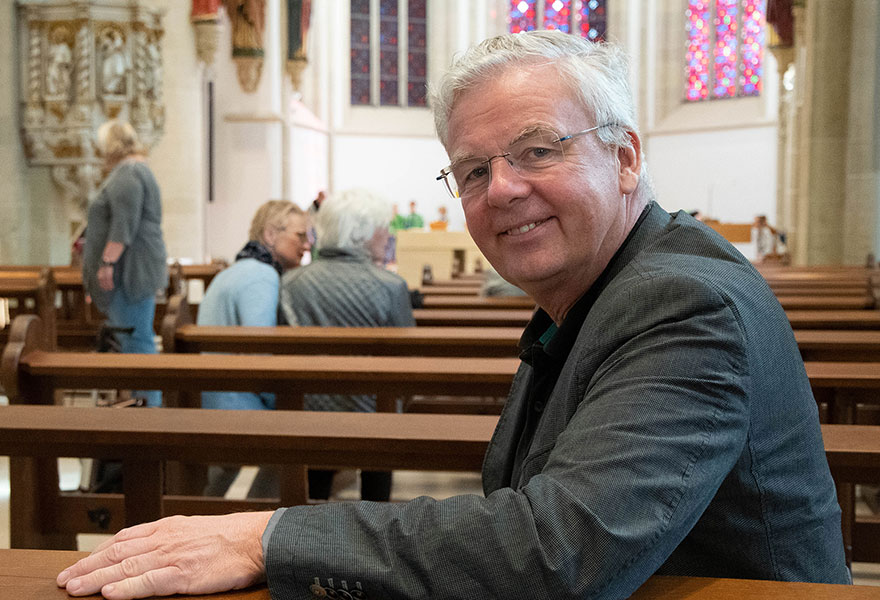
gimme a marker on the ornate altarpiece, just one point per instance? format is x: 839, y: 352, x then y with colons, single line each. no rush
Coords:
x: 84, y: 62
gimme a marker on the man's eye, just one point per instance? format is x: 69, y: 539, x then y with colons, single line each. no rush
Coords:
x: 477, y: 173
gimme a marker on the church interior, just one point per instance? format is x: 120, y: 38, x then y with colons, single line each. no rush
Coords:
x: 238, y: 102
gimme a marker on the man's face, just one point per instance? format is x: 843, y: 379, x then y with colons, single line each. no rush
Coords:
x: 556, y: 229
x: 291, y: 242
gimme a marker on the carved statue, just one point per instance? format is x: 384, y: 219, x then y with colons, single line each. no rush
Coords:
x: 60, y: 63
x: 248, y: 22
x: 248, y: 18
x: 114, y: 63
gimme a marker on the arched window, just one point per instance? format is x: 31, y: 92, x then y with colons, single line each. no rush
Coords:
x: 586, y: 17
x: 389, y: 45
x: 724, y: 48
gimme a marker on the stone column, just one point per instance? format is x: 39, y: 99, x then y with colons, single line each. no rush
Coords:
x: 823, y: 51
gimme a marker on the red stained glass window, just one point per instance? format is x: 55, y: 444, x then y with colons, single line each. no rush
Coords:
x: 557, y: 15
x: 522, y: 16
x: 724, y: 48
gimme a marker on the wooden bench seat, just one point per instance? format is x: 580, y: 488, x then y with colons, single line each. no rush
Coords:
x: 144, y: 438
x: 383, y: 341
x: 30, y: 574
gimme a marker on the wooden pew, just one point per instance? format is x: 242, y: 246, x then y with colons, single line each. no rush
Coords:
x: 838, y: 302
x: 476, y: 342
x: 30, y: 374
x: 832, y: 345
x: 37, y: 288
x: 442, y: 317
x: 30, y: 574
x: 144, y: 439
x: 799, y: 319
x: 833, y: 319
x: 478, y: 302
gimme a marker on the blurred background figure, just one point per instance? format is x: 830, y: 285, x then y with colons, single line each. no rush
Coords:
x: 766, y: 239
x: 246, y: 293
x: 413, y: 220
x: 124, y: 256
x: 344, y: 287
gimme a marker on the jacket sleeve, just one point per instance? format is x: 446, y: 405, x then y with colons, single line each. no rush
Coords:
x: 600, y: 506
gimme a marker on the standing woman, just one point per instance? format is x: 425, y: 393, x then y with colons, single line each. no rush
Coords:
x: 124, y: 259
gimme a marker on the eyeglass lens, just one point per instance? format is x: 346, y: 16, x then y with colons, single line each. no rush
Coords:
x: 529, y: 154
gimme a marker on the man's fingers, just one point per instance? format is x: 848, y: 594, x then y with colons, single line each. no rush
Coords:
x: 101, y: 560
x: 158, y: 582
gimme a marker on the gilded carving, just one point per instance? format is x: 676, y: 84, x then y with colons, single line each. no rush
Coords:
x: 83, y: 62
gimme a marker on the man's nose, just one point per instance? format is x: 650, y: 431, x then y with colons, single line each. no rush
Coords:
x: 505, y: 182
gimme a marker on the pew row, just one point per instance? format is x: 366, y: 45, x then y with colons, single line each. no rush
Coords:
x: 26, y: 574
x: 144, y: 439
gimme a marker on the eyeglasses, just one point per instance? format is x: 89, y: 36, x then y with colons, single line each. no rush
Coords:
x: 530, y: 154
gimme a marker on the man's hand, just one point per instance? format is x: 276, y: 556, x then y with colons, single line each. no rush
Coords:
x: 175, y: 555
x: 105, y: 277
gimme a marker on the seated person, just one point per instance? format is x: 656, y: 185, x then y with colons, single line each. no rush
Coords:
x: 344, y: 287
x: 246, y: 293
x: 661, y: 421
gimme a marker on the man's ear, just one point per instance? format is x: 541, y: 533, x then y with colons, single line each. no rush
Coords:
x: 629, y: 160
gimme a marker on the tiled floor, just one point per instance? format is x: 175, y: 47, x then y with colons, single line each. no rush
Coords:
x: 407, y: 484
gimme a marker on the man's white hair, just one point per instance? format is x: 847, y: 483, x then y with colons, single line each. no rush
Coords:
x: 597, y: 74
x: 349, y: 219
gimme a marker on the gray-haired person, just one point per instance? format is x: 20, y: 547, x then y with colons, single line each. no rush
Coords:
x: 344, y: 287
x: 661, y: 420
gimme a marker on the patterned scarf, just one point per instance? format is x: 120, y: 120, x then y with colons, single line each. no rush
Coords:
x: 259, y: 252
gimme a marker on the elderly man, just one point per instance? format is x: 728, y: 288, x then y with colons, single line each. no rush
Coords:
x: 661, y: 421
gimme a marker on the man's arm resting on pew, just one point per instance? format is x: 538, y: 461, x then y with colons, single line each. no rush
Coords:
x: 175, y: 555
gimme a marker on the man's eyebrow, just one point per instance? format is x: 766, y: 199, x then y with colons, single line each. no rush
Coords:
x: 458, y: 157
x: 531, y: 130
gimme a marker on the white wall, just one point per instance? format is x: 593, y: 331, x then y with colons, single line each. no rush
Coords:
x: 402, y: 169
x: 729, y: 175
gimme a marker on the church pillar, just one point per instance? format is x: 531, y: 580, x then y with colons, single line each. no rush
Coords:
x: 824, y: 50
x: 860, y: 211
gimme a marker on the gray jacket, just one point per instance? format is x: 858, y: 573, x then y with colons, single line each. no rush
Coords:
x: 343, y: 288
x: 681, y: 437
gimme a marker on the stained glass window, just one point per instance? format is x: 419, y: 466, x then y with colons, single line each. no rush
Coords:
x: 389, y: 52
x: 417, y: 55
x: 586, y: 17
x: 360, y: 51
x: 593, y: 20
x: 388, y: 74
x: 724, y: 48
x: 522, y: 15
x: 557, y: 15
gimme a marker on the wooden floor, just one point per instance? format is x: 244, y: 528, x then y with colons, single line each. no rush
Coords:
x: 407, y: 485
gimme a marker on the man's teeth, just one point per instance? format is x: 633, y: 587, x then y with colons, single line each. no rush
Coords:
x: 523, y: 229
